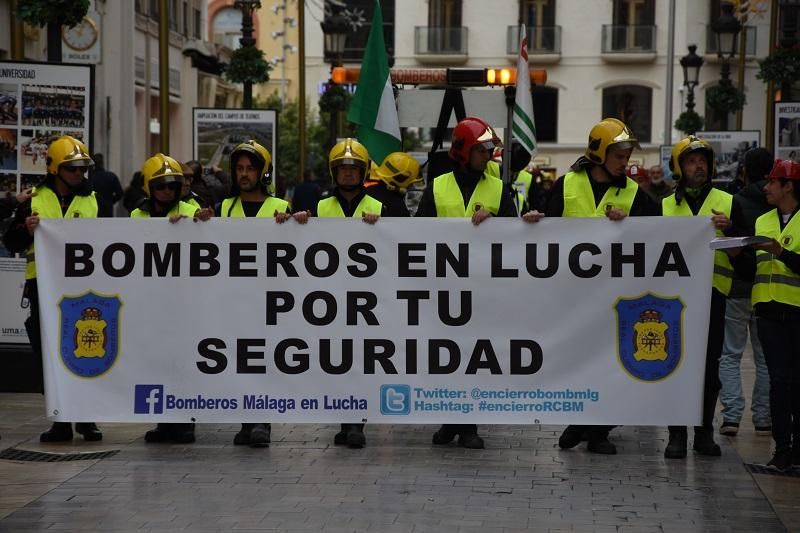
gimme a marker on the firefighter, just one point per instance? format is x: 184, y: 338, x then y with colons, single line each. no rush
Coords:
x: 596, y: 186
x: 776, y: 301
x: 349, y: 164
x: 469, y: 191
x: 389, y: 182
x: 251, y: 172
x: 163, y: 181
x: 693, y: 167
x: 64, y: 193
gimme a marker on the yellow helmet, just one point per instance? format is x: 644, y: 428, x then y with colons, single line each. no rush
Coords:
x: 261, y: 156
x: 67, y: 150
x: 608, y: 132
x: 682, y: 148
x: 399, y: 171
x: 160, y: 169
x: 349, y: 152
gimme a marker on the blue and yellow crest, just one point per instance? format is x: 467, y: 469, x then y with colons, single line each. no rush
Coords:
x: 649, y: 335
x: 89, y: 333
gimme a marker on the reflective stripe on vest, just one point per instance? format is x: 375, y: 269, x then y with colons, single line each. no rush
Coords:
x: 522, y: 186
x: 774, y: 280
x: 450, y: 202
x: 46, y: 204
x: 579, y: 198
x: 718, y: 201
x: 330, y: 207
x: 232, y: 207
x: 181, y: 208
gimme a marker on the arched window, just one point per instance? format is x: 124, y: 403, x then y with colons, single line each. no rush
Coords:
x: 545, y: 113
x: 227, y: 27
x: 633, y: 105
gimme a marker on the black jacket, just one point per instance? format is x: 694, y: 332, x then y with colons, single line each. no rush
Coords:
x: 394, y: 203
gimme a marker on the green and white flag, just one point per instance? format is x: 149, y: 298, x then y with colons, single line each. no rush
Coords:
x: 523, y: 126
x: 373, y: 107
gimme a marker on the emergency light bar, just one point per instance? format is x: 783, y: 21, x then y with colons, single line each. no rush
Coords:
x: 461, y: 77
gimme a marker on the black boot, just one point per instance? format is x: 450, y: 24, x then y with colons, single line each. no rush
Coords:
x: 572, y: 436
x: 355, y: 436
x: 260, y: 435
x: 677, y: 445
x: 89, y: 431
x: 340, y: 439
x: 599, y: 443
x: 182, y: 433
x: 469, y: 438
x: 243, y: 436
x: 446, y: 434
x: 160, y: 434
x: 58, y: 432
x: 704, y: 442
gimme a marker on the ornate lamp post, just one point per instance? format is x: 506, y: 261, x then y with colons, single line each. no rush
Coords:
x: 727, y: 28
x: 335, y: 29
x: 691, y: 64
x: 247, y: 7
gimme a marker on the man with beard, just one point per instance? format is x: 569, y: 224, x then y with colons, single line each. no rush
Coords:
x: 596, y: 186
x: 693, y: 167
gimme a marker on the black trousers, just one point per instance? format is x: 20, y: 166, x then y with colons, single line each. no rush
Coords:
x: 716, y: 337
x: 34, y: 330
x: 781, y: 342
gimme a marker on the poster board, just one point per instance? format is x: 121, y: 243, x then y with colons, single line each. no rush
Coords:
x: 38, y: 101
x: 787, y: 130
x: 216, y: 132
x: 729, y: 149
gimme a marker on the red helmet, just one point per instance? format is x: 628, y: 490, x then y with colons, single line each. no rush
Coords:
x: 471, y: 132
x: 785, y: 169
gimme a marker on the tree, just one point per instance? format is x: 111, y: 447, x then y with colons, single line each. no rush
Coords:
x: 53, y: 14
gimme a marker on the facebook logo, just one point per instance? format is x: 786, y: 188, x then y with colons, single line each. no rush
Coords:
x: 149, y: 400
x: 395, y: 399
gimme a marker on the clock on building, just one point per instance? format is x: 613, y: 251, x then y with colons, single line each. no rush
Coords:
x: 82, y: 36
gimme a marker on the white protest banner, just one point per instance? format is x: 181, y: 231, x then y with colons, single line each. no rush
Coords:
x: 406, y: 321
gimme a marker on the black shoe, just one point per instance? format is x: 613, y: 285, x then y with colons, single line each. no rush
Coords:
x: 58, y: 432
x: 781, y: 461
x: 243, y: 436
x: 355, y: 436
x: 182, y: 433
x: 445, y: 434
x: 340, y: 439
x: 89, y: 431
x: 260, y: 435
x: 572, y: 436
x: 599, y: 443
x: 796, y: 456
x: 470, y: 440
x: 677, y: 445
x: 731, y: 429
x: 704, y: 442
x: 159, y: 434
x: 764, y: 431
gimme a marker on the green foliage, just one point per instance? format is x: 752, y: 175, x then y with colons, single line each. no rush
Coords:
x: 248, y: 64
x: 689, y: 122
x: 725, y: 98
x: 335, y: 98
x: 62, y: 12
x: 412, y: 140
x: 782, y: 67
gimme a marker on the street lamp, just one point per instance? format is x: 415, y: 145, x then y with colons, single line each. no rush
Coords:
x: 247, y: 7
x: 691, y: 64
x: 727, y: 28
x: 335, y: 29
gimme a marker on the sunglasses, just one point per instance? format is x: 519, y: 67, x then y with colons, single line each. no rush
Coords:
x: 73, y: 169
x: 174, y: 186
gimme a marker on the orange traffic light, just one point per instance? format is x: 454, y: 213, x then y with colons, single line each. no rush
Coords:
x: 463, y: 77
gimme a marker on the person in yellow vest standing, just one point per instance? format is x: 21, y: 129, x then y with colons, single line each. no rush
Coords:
x: 693, y: 167
x: 470, y: 191
x: 776, y: 301
x: 349, y: 166
x: 596, y: 186
x: 251, y: 171
x: 163, y: 181
x: 64, y: 193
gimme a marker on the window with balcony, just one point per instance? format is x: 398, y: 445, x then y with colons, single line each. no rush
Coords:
x: 633, y: 105
x: 444, y: 34
x: 359, y: 14
x: 185, y: 19
x: 198, y: 26
x: 137, y: 6
x: 633, y: 29
x: 545, y: 112
x: 152, y: 10
x: 173, y: 15
x: 539, y: 17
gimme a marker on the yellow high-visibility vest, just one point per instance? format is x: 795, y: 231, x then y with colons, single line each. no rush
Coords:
x: 181, y: 208
x: 579, y: 198
x: 450, y: 202
x: 232, y: 207
x: 330, y: 207
x: 774, y: 280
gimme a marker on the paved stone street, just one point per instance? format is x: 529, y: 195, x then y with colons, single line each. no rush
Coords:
x: 399, y: 483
